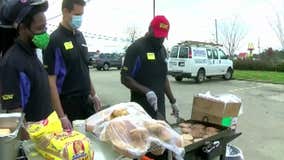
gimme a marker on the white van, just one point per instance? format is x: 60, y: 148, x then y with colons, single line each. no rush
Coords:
x: 199, y: 60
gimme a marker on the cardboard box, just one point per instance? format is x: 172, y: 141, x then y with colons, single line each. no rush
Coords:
x: 214, y: 111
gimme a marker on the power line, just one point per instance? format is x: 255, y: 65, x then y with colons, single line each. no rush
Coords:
x: 90, y: 35
x: 51, y: 18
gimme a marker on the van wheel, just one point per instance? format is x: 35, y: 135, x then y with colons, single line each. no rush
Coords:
x: 106, y: 67
x: 229, y: 74
x: 178, y: 78
x: 200, y: 76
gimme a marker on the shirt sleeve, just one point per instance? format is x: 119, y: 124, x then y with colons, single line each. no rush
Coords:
x: 49, y: 58
x: 132, y: 62
x: 10, y: 87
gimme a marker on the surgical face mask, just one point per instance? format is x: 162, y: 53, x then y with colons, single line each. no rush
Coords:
x: 76, y: 22
x: 41, y: 40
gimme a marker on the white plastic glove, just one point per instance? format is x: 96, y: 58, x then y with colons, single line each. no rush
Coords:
x: 152, y: 99
x: 175, y: 109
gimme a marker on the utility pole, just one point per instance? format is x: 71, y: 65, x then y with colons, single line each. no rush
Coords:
x: 154, y: 8
x: 258, y: 43
x: 216, y: 31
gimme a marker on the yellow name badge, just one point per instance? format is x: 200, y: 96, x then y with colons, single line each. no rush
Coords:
x: 68, y: 45
x: 151, y: 56
x: 7, y: 97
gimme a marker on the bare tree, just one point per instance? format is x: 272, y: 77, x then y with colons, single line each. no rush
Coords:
x: 278, y: 28
x: 231, y: 34
x: 132, y: 33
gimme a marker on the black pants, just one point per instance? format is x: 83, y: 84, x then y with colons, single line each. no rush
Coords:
x: 77, y: 107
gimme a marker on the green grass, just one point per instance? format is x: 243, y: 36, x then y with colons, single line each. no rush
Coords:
x: 262, y: 76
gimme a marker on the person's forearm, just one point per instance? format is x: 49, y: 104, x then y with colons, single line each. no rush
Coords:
x: 92, y: 90
x: 56, y: 104
x: 134, y: 85
x: 169, y: 92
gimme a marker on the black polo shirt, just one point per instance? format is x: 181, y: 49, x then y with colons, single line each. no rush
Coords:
x: 147, y: 65
x: 24, y: 83
x: 66, y: 57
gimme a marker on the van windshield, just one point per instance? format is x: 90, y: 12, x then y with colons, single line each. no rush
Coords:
x: 174, y: 52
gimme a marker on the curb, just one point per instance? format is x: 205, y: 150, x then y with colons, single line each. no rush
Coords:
x: 251, y: 80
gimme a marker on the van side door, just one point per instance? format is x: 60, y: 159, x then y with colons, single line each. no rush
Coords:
x: 225, y: 63
x: 216, y: 62
x: 210, y: 62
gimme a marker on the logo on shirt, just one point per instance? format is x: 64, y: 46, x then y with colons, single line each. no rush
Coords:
x: 68, y: 45
x: 151, y: 56
x: 7, y: 97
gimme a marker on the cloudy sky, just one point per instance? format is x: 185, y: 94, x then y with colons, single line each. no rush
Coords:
x: 106, y: 22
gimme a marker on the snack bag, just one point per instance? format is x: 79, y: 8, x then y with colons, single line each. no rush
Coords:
x: 47, y: 155
x: 65, y: 145
x: 51, y: 124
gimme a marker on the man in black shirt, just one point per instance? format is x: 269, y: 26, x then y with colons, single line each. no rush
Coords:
x: 144, y: 70
x: 66, y: 61
x: 23, y: 80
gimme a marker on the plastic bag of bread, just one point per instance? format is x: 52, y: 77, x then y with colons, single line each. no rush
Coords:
x: 65, y: 145
x: 51, y: 124
x: 131, y: 131
x: 164, y: 136
x: 126, y: 137
x: 98, y: 121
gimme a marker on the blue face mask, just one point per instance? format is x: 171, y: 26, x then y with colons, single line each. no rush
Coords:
x: 76, y: 22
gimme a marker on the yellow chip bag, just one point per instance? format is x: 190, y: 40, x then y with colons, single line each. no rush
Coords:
x: 47, y: 155
x: 51, y: 124
x: 65, y: 145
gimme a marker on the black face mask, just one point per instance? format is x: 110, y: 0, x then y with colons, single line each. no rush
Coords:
x: 157, y: 42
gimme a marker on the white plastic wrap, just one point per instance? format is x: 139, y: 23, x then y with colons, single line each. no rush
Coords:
x: 226, y: 98
x: 132, y: 132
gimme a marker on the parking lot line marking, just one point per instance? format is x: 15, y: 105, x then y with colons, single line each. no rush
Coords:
x: 243, y: 89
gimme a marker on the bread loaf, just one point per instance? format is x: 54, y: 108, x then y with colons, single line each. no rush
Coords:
x: 197, y: 140
x: 139, y: 137
x: 158, y: 130
x: 118, y: 113
x: 5, y: 131
x: 124, y: 136
x: 187, y: 137
x: 186, y: 143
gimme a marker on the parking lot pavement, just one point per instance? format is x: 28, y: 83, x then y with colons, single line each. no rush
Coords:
x: 261, y: 124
